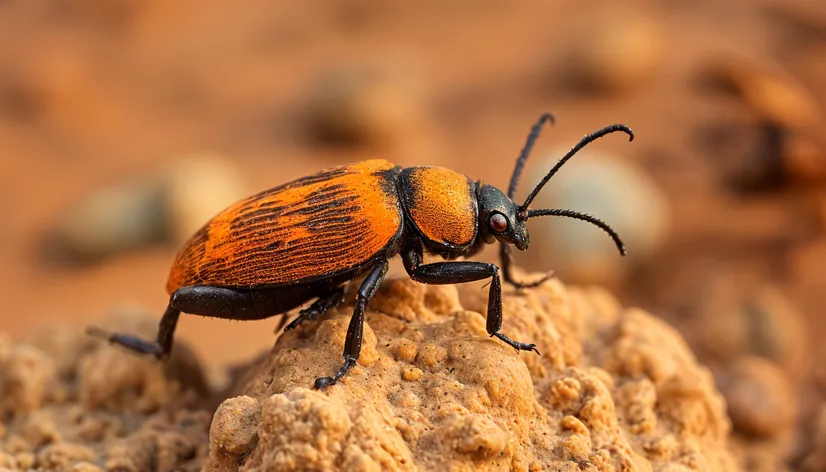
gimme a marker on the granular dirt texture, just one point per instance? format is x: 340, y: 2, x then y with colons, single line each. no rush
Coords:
x: 69, y: 402
x: 614, y: 389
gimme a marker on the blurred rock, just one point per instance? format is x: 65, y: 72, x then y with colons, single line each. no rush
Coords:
x: 26, y: 381
x: 767, y: 90
x: 761, y: 401
x: 106, y: 222
x: 608, y: 188
x: 168, y: 206
x: 234, y: 432
x: 733, y: 321
x: 365, y: 105
x: 814, y: 458
x: 763, y: 155
x: 63, y: 344
x: 118, y: 410
x: 198, y: 187
x: 615, y: 52
x: 803, y: 20
x: 804, y: 158
x: 747, y: 155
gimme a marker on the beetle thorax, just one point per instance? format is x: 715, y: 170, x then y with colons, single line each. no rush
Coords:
x: 441, y: 205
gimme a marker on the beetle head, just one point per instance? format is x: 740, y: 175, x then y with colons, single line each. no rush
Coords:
x: 498, y: 219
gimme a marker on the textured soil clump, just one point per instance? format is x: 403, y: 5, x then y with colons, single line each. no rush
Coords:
x: 69, y: 402
x: 614, y: 389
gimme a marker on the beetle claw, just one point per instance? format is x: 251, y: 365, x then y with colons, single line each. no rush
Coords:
x: 303, y: 315
x: 323, y: 382
x: 517, y: 345
x: 536, y: 283
x: 99, y: 333
x: 132, y: 343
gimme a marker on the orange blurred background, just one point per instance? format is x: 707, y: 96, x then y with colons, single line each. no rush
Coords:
x: 175, y: 109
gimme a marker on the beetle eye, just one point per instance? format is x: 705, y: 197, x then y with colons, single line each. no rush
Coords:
x: 498, y: 222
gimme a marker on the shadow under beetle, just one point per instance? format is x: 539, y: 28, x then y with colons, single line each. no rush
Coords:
x: 303, y: 240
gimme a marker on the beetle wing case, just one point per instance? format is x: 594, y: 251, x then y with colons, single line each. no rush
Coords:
x: 316, y: 226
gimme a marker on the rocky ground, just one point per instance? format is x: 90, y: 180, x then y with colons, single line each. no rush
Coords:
x: 614, y: 389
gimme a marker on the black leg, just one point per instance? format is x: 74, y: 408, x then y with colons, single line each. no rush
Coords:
x: 318, y: 308
x: 461, y: 272
x: 505, y: 263
x: 160, y: 348
x: 352, y: 343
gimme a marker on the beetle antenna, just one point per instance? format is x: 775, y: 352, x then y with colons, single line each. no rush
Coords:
x: 526, y: 151
x: 584, y: 217
x: 584, y: 142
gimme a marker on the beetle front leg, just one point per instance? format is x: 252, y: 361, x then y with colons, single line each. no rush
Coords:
x: 461, y: 272
x: 352, y: 343
x: 505, y: 263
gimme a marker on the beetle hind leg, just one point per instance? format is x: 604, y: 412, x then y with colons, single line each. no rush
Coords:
x: 352, y: 343
x: 159, y: 348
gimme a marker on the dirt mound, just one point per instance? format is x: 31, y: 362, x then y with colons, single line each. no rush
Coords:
x: 70, y: 402
x: 614, y: 389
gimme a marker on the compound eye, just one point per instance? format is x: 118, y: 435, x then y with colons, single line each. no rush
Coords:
x: 498, y: 222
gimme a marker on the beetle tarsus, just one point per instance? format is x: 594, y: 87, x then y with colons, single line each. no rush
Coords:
x: 132, y: 343
x: 160, y: 348
x: 517, y: 345
x: 460, y: 272
x: 317, y: 309
x: 507, y: 273
x: 324, y: 382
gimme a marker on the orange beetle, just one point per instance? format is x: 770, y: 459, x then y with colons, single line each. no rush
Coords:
x: 303, y: 240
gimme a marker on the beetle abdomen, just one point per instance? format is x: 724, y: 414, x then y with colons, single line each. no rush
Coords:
x: 442, y: 204
x: 316, y: 226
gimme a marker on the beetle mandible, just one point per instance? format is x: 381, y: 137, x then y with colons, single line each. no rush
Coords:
x: 303, y: 240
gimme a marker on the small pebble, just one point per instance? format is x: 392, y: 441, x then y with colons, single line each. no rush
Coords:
x: 761, y: 400
x: 364, y: 105
x: 26, y: 377
x: 234, y: 428
x: 412, y: 374
x: 199, y: 186
x: 770, y: 92
x: 166, y: 206
x: 615, y: 53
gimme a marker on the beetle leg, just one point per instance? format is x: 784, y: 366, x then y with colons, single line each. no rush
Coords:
x: 160, y: 348
x: 318, y: 308
x: 352, y: 343
x: 461, y: 272
x: 505, y: 263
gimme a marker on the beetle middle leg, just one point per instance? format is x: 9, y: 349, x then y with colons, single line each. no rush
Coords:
x: 318, y: 308
x: 461, y: 272
x: 352, y: 343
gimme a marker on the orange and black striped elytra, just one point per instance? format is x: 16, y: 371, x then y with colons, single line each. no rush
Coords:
x: 304, y: 240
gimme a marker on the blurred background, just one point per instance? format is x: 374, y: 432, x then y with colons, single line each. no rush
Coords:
x: 125, y: 125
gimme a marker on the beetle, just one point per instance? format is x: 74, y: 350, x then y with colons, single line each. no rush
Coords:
x: 303, y: 240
